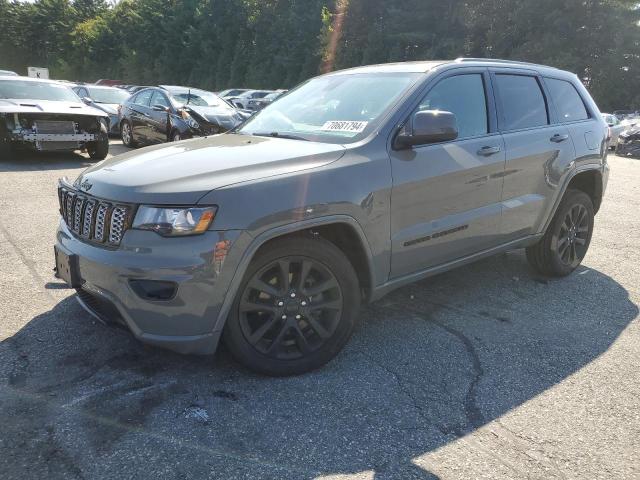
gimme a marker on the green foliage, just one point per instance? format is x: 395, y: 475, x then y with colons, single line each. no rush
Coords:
x: 217, y: 44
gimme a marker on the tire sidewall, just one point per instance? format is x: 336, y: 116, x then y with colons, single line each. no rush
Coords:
x: 573, y: 198
x: 332, y: 258
x: 131, y: 142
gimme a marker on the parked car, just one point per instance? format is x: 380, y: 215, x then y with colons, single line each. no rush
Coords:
x: 107, y: 82
x: 8, y: 73
x: 353, y: 184
x: 172, y: 113
x: 257, y: 104
x: 629, y: 142
x: 242, y: 100
x: 615, y: 128
x: 232, y: 92
x: 623, y: 114
x: 136, y: 88
x: 45, y: 115
x: 107, y: 99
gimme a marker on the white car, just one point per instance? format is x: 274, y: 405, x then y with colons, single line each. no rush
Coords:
x: 616, y: 127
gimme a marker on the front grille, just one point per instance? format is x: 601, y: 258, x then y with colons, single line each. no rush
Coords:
x: 93, y: 219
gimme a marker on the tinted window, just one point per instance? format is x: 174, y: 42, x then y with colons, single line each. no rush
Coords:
x: 523, y: 104
x: 567, y: 100
x: 143, y: 98
x: 160, y: 99
x: 462, y: 95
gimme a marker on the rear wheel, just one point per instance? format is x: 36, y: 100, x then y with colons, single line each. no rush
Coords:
x: 175, y: 136
x: 295, y: 309
x: 565, y: 243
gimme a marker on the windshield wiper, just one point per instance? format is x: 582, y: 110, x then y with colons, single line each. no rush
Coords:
x: 279, y: 135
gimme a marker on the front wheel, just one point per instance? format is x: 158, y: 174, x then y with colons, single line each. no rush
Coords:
x: 295, y: 309
x: 127, y: 135
x: 565, y: 243
x: 99, y: 149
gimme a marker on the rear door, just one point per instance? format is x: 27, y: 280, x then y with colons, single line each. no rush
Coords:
x: 445, y: 202
x: 538, y: 150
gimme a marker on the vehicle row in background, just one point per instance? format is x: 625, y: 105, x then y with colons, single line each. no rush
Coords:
x: 44, y: 115
x: 172, y: 113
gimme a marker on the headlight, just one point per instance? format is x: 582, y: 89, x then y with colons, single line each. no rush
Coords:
x: 173, y: 222
x: 189, y: 119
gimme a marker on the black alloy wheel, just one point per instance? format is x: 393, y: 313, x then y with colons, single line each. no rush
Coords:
x: 295, y: 309
x: 566, y: 241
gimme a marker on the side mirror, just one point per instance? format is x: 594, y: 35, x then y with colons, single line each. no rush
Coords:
x: 87, y: 100
x: 160, y: 108
x: 427, y: 126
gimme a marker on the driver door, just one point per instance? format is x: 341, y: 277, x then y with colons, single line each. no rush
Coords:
x: 446, y: 197
x: 159, y: 120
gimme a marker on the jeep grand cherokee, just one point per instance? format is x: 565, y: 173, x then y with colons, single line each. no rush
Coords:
x: 355, y: 183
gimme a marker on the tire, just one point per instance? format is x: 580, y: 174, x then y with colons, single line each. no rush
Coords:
x: 126, y: 134
x: 566, y: 241
x: 175, y: 136
x: 99, y: 149
x: 6, y: 150
x: 288, y: 325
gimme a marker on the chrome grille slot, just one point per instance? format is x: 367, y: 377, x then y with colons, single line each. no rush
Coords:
x: 68, y: 212
x: 77, y: 214
x: 88, y: 218
x: 92, y: 219
x: 101, y: 220
x: 118, y: 217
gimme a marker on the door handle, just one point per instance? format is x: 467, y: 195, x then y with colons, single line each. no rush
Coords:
x: 557, y: 138
x: 488, y: 151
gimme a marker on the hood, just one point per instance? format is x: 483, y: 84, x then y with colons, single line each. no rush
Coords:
x: 222, y: 115
x: 181, y: 173
x: 110, y: 108
x: 47, y: 106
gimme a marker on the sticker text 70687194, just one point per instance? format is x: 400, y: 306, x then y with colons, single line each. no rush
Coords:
x: 344, y: 126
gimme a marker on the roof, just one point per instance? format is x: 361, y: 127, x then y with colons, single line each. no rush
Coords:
x: 427, y: 65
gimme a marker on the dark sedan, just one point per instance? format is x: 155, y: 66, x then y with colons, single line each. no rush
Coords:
x: 258, y: 104
x: 172, y: 113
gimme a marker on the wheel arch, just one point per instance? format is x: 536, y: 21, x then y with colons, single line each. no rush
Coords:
x: 587, y: 179
x: 590, y: 182
x: 342, y: 230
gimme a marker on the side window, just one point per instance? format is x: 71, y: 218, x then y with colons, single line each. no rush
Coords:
x: 464, y: 96
x: 567, y: 100
x: 143, y: 98
x: 523, y: 104
x: 160, y: 99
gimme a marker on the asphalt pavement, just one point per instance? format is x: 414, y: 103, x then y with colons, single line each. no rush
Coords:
x: 488, y: 371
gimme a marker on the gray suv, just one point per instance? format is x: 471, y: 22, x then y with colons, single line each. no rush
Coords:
x: 353, y: 184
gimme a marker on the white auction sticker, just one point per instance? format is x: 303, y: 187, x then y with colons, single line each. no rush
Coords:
x: 344, y: 126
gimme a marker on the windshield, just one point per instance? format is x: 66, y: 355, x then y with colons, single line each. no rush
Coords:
x: 198, y: 98
x: 108, y: 95
x: 24, y: 89
x: 332, y: 109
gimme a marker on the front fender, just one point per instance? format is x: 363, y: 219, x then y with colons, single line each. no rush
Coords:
x: 256, y: 242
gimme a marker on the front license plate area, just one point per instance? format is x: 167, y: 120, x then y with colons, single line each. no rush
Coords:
x: 68, y: 268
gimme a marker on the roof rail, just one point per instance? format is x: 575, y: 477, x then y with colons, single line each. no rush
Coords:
x: 496, y: 60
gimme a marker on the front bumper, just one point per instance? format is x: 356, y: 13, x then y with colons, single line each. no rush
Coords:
x: 201, y: 267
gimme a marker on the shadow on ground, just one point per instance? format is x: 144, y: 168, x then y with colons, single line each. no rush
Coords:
x: 428, y: 364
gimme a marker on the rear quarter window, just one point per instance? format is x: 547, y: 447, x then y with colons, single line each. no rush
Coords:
x: 567, y: 100
x: 522, y: 101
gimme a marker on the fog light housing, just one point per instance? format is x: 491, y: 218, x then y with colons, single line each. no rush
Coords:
x: 154, y: 289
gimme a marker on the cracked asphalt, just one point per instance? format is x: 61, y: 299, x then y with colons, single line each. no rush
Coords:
x: 488, y: 371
